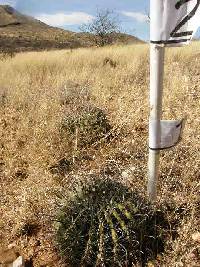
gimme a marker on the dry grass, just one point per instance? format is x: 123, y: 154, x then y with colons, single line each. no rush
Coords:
x: 39, y: 90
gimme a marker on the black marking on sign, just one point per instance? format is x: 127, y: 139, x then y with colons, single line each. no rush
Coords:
x: 178, y: 5
x: 166, y: 42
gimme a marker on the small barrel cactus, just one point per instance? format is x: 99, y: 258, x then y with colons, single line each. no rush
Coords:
x: 91, y: 124
x: 106, y: 224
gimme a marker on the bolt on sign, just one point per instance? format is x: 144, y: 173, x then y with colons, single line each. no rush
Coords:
x: 172, y: 23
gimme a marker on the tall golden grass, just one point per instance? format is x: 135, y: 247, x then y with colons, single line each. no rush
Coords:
x: 39, y: 89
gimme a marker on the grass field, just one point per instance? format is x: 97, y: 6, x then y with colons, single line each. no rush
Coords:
x: 41, y: 158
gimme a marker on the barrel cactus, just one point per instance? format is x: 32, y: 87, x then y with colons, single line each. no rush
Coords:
x: 91, y: 124
x: 106, y: 224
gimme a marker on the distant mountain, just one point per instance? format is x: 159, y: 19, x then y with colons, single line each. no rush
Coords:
x: 19, y: 32
x: 9, y: 17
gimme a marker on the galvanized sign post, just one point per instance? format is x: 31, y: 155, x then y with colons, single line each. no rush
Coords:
x: 172, y: 23
x: 156, y: 92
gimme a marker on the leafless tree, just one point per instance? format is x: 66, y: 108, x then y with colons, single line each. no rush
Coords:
x: 147, y: 13
x: 103, y: 27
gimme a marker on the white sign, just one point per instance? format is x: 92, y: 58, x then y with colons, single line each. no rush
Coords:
x: 170, y: 133
x: 174, y: 22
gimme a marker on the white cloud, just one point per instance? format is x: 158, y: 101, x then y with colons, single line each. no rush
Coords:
x: 8, y: 2
x: 140, y: 17
x: 63, y: 19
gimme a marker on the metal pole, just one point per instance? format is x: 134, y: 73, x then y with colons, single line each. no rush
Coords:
x: 156, y: 91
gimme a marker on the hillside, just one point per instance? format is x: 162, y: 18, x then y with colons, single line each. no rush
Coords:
x: 19, y: 32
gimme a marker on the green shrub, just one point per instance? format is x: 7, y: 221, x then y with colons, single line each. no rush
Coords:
x: 106, y: 224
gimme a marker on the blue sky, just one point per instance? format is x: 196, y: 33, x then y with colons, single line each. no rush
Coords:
x: 70, y: 14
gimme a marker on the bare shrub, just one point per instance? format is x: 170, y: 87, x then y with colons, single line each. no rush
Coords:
x: 7, y: 54
x: 109, y: 61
